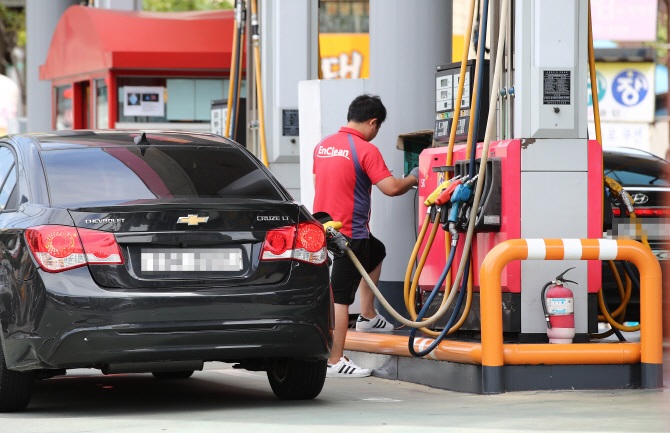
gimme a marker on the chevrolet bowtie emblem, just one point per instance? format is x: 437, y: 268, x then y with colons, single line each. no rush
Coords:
x: 192, y: 220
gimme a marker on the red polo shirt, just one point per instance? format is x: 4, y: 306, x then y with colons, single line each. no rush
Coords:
x: 346, y: 166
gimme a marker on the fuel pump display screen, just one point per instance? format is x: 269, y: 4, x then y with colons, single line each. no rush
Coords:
x: 446, y: 92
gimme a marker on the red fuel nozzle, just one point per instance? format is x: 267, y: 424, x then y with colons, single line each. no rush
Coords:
x: 445, y: 196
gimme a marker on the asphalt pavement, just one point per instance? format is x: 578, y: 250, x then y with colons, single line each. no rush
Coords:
x: 221, y: 399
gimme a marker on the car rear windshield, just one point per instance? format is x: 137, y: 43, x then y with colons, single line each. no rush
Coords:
x: 157, y: 174
x: 631, y: 170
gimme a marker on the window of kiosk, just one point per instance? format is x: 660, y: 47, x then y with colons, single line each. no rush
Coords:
x: 101, y: 104
x: 169, y: 100
x: 64, y: 116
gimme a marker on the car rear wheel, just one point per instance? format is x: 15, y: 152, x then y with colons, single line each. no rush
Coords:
x: 173, y: 374
x: 16, y: 387
x: 294, y: 379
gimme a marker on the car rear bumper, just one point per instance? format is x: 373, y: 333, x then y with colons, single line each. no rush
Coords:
x: 78, y: 324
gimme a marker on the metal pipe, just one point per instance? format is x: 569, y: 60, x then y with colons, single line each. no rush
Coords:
x: 651, y: 348
x: 513, y: 354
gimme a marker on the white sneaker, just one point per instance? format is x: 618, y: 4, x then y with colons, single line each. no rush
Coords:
x: 347, y: 368
x: 377, y: 324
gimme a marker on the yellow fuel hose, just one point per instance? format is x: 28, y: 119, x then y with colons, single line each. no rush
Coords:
x: 461, y: 83
x: 624, y: 296
x: 259, y: 87
x: 410, y: 290
x: 610, y: 320
x: 412, y: 259
x: 233, y: 64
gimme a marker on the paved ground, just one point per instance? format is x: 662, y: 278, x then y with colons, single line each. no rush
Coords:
x: 221, y: 399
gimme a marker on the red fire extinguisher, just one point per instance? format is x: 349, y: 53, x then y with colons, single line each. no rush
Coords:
x: 559, y: 307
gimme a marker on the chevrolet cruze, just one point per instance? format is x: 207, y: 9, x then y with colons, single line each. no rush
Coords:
x: 155, y: 252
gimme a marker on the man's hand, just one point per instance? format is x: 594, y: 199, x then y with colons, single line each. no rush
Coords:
x: 393, y: 187
x: 415, y: 173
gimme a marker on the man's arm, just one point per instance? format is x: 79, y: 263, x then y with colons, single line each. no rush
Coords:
x: 392, y: 186
x: 314, y: 179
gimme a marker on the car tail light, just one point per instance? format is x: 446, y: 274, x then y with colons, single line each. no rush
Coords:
x: 651, y: 212
x: 645, y: 212
x: 58, y: 248
x: 310, y: 246
x: 278, y: 244
x: 100, y: 247
x: 305, y: 243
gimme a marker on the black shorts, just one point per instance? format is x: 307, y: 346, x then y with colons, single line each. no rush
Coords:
x: 345, y: 278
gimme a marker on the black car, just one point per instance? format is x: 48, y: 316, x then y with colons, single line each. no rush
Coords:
x: 154, y: 252
x: 646, y: 177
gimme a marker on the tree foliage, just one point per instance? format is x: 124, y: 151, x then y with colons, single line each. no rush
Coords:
x: 14, y: 21
x: 185, y: 5
x: 12, y: 34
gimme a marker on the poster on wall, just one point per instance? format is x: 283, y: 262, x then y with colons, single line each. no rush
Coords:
x: 144, y: 101
x: 625, y: 92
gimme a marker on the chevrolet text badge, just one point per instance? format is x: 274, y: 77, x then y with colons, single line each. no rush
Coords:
x: 192, y: 220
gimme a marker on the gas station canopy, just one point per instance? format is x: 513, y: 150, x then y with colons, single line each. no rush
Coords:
x: 90, y: 40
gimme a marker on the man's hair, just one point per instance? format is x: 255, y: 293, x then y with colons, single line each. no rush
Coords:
x: 366, y: 107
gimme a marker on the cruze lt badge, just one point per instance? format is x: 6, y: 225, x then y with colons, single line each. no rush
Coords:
x: 192, y: 220
x: 272, y: 218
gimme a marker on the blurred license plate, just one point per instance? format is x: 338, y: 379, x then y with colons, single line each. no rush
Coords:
x: 192, y: 260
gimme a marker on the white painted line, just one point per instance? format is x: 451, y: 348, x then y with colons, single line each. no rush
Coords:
x: 382, y: 400
x: 572, y: 248
x: 608, y: 249
x: 240, y: 373
x: 537, y: 249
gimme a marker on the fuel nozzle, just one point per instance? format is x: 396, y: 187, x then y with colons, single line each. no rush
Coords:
x: 620, y: 193
x: 430, y: 200
x: 336, y: 242
x: 445, y: 195
x: 461, y: 194
x: 470, y: 183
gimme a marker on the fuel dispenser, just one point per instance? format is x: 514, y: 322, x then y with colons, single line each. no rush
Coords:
x: 516, y: 210
x: 527, y: 178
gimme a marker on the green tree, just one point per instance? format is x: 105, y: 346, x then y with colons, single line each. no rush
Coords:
x: 12, y: 34
x: 185, y: 5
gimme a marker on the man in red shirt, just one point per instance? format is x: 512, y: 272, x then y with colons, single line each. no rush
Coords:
x: 346, y: 165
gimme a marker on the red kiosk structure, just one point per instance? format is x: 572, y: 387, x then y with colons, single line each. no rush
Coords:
x: 127, y: 70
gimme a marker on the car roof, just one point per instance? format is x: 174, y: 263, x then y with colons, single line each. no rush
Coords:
x: 631, y: 152
x: 115, y: 138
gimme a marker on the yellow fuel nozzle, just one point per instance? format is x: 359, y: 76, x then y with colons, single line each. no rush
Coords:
x: 336, y: 225
x: 620, y: 193
x: 613, y: 185
x: 433, y: 196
